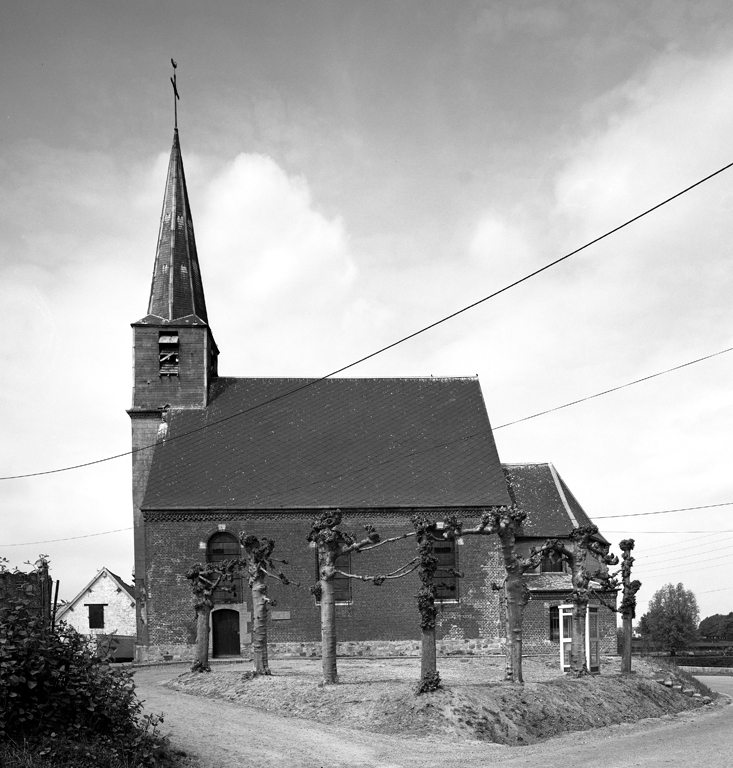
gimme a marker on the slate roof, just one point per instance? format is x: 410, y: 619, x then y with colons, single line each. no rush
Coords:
x: 177, y: 291
x: 350, y: 443
x: 552, y: 510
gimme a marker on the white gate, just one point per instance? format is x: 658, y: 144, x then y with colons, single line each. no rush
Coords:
x: 592, y: 638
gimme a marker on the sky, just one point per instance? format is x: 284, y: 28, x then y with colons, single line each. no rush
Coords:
x: 356, y: 171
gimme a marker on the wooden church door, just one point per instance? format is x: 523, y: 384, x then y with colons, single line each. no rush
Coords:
x: 225, y: 631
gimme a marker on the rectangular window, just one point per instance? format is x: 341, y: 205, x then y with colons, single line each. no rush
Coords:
x: 445, y: 579
x: 555, y: 624
x: 552, y: 564
x: 341, y: 584
x: 96, y: 616
x: 168, y: 353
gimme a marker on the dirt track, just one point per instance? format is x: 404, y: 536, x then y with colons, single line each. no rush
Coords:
x: 224, y: 735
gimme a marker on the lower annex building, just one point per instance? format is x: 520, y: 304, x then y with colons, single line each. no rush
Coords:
x: 215, y: 455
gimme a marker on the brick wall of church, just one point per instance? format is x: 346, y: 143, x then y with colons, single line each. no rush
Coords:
x: 379, y: 614
x: 378, y: 618
x: 189, y: 388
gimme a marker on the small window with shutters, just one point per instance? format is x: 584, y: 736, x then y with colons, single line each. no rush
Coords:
x: 96, y: 616
x: 445, y: 579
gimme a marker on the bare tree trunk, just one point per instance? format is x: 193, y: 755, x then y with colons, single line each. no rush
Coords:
x: 626, y: 651
x: 328, y: 632
x: 515, y: 614
x: 201, y: 654
x: 578, y: 666
x: 259, y: 626
x: 428, y: 660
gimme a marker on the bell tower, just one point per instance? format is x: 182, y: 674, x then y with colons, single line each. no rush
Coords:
x: 174, y: 352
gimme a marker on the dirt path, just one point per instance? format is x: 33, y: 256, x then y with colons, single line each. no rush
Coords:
x: 225, y: 735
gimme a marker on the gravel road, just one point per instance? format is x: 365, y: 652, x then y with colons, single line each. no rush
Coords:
x: 224, y: 735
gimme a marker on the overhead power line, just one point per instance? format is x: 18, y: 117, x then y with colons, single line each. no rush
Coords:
x: 664, y: 511
x: 402, y: 340
x: 68, y: 538
x: 629, y: 532
x: 615, y: 389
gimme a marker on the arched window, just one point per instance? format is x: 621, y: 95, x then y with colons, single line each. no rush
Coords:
x: 224, y: 546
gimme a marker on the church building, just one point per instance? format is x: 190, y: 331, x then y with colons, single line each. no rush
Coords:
x: 216, y: 455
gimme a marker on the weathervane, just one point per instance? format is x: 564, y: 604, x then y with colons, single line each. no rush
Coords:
x: 176, y: 97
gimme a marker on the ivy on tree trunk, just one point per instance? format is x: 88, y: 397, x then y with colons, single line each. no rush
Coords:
x: 628, y: 602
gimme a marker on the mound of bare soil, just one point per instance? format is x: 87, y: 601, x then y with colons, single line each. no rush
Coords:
x: 379, y: 695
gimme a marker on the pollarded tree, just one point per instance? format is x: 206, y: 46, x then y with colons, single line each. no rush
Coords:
x: 672, y: 617
x: 205, y: 580
x: 259, y: 564
x: 583, y: 549
x: 332, y: 543
x: 505, y: 522
x: 426, y: 533
x: 627, y: 609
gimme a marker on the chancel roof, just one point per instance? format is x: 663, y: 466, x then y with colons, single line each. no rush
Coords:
x: 552, y: 510
x: 350, y: 443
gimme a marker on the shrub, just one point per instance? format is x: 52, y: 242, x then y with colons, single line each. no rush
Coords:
x: 57, y: 695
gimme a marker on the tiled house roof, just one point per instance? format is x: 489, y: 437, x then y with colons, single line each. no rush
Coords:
x: 349, y: 443
x: 552, y: 510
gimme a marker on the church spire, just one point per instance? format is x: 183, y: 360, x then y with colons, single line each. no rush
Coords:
x: 177, y: 291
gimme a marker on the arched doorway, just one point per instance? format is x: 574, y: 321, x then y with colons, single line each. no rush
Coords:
x: 225, y: 633
x: 224, y: 546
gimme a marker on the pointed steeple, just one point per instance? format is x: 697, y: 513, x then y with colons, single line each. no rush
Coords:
x: 177, y: 291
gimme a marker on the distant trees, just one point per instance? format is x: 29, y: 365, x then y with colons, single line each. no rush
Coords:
x: 672, y: 617
x: 717, y: 627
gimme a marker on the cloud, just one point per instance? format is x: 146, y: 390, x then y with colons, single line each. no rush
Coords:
x: 282, y: 274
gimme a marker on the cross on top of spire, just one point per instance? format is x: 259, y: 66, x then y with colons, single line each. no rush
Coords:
x: 176, y: 97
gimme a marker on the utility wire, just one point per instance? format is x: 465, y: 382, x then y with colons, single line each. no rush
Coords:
x: 665, y: 511
x: 643, y: 565
x: 68, y: 538
x: 404, y: 338
x: 628, y: 531
x: 684, y: 568
x: 615, y: 389
x: 646, y: 561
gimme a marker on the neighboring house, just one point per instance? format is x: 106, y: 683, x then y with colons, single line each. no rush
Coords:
x: 213, y: 456
x: 104, y: 608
